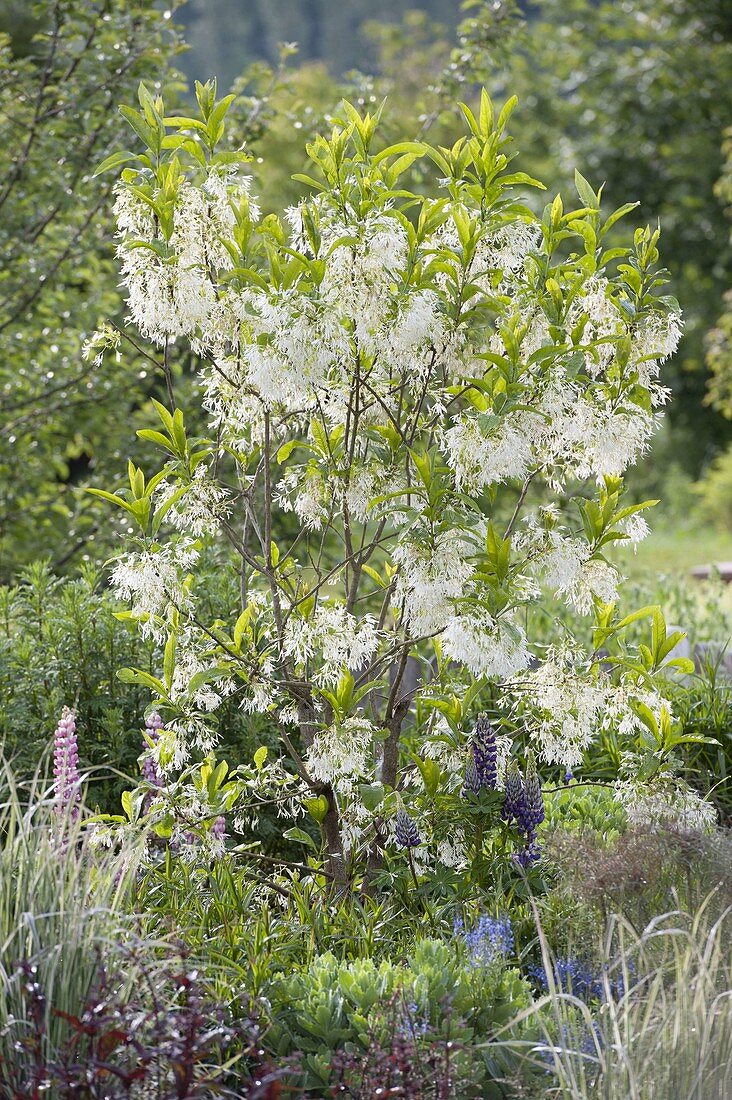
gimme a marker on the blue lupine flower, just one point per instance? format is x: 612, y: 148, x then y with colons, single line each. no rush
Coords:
x: 514, y: 789
x: 490, y: 939
x: 529, y: 854
x: 406, y: 832
x: 532, y: 810
x: 571, y: 975
x: 414, y: 1022
x: 585, y: 1041
x: 524, y: 805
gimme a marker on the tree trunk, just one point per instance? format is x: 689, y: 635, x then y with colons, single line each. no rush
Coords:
x: 331, y: 833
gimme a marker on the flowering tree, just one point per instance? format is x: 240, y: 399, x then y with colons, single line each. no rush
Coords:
x: 401, y: 388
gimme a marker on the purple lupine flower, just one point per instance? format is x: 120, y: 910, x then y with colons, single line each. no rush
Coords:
x: 514, y: 791
x: 406, y: 832
x: 484, y: 746
x: 524, y: 805
x: 490, y: 939
x: 571, y: 975
x: 218, y: 829
x: 471, y: 782
x: 67, y: 785
x: 530, y: 852
x: 151, y: 770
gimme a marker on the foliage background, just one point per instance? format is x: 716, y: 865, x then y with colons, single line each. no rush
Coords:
x: 639, y: 94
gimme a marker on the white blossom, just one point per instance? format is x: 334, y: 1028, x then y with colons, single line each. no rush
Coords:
x: 562, y: 710
x: 482, y: 456
x: 655, y: 339
x: 340, y: 752
x: 665, y: 802
x: 604, y: 323
x: 338, y: 640
x: 198, y: 506
x: 494, y: 648
x: 151, y: 581
x: 430, y: 579
x: 636, y: 528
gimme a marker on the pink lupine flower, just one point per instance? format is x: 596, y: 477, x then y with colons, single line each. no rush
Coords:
x: 151, y: 770
x: 67, y: 785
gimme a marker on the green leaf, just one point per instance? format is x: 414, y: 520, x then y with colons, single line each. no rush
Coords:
x: 430, y: 772
x: 372, y: 794
x: 169, y: 660
x: 618, y: 214
x: 317, y: 808
x: 111, y: 497
x: 241, y: 625
x: 286, y: 450
x: 585, y: 192
x: 156, y: 437
x: 301, y: 837
x: 300, y: 177
x: 260, y: 757
x: 206, y: 676
x: 145, y: 132
x: 143, y: 679
x: 123, y: 156
x: 416, y: 148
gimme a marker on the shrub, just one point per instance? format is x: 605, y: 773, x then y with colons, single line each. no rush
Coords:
x: 336, y: 1005
x: 391, y: 377
x: 643, y: 872
x: 157, y: 1036
x: 714, y: 490
x: 62, y: 643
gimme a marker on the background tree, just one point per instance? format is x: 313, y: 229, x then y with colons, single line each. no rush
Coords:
x: 62, y: 79
x: 719, y: 339
x: 640, y: 93
x: 227, y: 36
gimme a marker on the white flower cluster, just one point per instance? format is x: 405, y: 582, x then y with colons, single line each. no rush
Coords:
x: 562, y: 710
x: 488, y: 647
x: 303, y: 490
x: 337, y: 639
x: 172, y: 283
x: 565, y: 710
x: 197, y: 507
x: 665, y: 802
x: 571, y: 573
x: 566, y: 565
x: 341, y: 755
x: 499, y: 252
x: 152, y: 582
x: 482, y: 456
x: 430, y: 580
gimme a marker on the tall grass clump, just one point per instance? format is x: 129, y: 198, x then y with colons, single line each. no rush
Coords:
x: 660, y: 1024
x: 60, y: 909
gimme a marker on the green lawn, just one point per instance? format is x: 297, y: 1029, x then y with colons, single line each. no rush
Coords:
x: 676, y: 549
x: 669, y: 553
